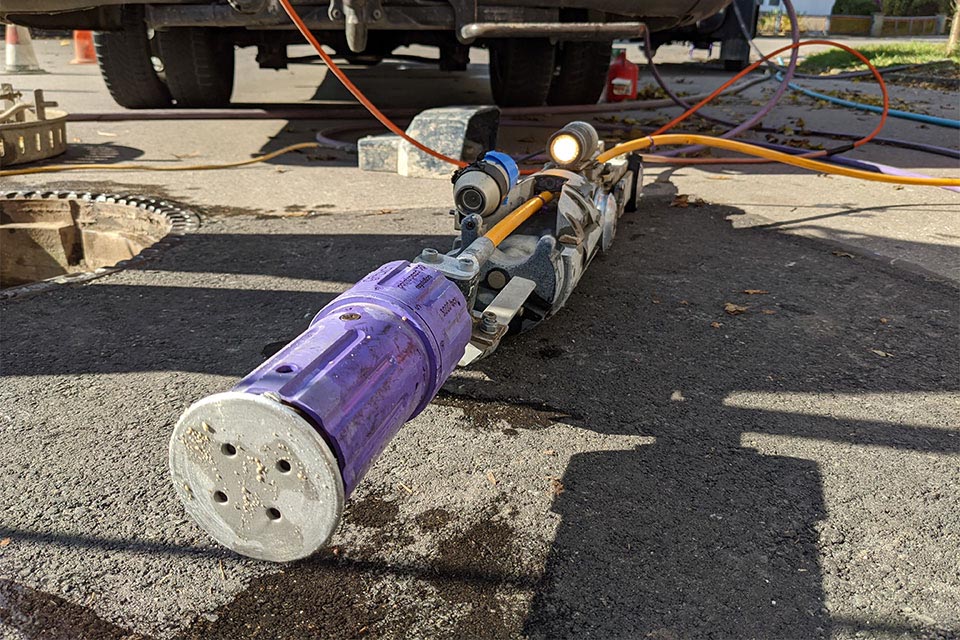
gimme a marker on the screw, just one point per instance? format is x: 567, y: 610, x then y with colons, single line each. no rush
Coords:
x: 466, y: 264
x: 350, y: 316
x: 430, y: 255
x: 488, y: 322
x: 377, y: 14
x: 336, y: 14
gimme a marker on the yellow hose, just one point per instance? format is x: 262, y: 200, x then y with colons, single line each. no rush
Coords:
x: 753, y: 150
x: 53, y: 168
x: 515, y: 218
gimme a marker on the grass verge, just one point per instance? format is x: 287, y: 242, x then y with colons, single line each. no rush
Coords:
x: 882, y: 55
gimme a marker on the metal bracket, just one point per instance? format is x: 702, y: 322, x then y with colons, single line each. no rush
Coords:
x: 496, y: 319
x: 356, y: 16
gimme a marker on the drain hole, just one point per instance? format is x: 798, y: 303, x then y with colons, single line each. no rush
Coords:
x: 219, y: 496
x: 273, y: 513
x: 228, y: 449
x: 284, y: 466
x: 284, y: 368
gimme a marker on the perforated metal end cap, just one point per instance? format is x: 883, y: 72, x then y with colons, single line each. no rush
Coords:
x: 256, y: 476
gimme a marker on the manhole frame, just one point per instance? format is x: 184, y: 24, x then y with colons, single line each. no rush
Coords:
x: 182, y: 221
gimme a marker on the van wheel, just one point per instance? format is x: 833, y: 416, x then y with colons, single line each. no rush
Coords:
x: 520, y: 71
x: 198, y: 64
x: 582, y: 72
x: 126, y: 64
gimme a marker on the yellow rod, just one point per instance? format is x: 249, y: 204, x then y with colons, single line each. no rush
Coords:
x: 515, y: 218
x: 785, y: 158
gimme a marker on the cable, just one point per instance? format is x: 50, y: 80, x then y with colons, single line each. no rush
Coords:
x: 53, y: 168
x: 352, y: 88
x: 765, y: 109
x: 893, y: 113
x: 750, y: 149
x: 515, y: 218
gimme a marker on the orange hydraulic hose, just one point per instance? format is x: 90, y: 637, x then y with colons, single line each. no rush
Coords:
x: 515, y: 218
x: 876, y: 74
x: 352, y: 88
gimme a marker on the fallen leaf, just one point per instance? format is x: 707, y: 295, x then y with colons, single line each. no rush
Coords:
x: 491, y: 478
x: 884, y: 320
x: 716, y: 325
x: 882, y: 354
x: 107, y: 134
x: 684, y: 302
x: 383, y: 212
x: 677, y: 396
x: 843, y: 254
x: 734, y: 309
x: 655, y: 300
x: 549, y: 452
x: 682, y: 200
x: 556, y: 486
x: 719, y: 178
x: 4, y: 542
x: 768, y: 312
x: 755, y: 292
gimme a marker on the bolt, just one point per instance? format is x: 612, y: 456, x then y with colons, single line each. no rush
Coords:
x: 336, y: 14
x: 466, y: 264
x: 488, y: 322
x: 430, y: 255
x: 377, y: 14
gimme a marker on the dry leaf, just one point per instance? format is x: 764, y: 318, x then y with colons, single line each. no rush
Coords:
x: 107, y: 134
x: 734, y: 309
x: 719, y: 178
x: 4, y: 542
x: 491, y: 478
x: 843, y: 254
x: 655, y: 300
x: 556, y: 486
x: 383, y: 212
x: 549, y: 452
x: 768, y: 312
x: 684, y: 302
x: 681, y: 200
x: 716, y: 325
x: 755, y: 292
x: 884, y: 320
x: 882, y: 354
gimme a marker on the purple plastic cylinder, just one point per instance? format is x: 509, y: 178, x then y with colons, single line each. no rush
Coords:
x: 370, y: 361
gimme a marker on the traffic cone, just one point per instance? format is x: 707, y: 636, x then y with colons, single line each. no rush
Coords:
x: 83, y: 51
x: 20, y: 57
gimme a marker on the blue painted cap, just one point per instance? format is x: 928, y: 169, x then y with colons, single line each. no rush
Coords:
x: 507, y: 163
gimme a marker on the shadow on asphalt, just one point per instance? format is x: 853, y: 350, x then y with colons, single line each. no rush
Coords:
x: 696, y: 535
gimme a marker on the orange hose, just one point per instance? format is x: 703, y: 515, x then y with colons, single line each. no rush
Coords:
x: 518, y: 216
x: 876, y: 74
x: 352, y: 88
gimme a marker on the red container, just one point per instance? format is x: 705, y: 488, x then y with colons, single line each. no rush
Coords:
x: 622, y: 78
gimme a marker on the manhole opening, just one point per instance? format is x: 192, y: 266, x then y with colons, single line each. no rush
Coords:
x: 48, y: 237
x: 41, y: 239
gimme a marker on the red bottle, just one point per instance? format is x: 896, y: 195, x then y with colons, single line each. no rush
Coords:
x: 622, y: 78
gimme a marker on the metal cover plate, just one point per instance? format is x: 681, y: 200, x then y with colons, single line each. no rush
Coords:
x: 256, y: 476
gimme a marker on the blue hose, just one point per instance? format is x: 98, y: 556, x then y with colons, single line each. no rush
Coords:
x: 893, y: 113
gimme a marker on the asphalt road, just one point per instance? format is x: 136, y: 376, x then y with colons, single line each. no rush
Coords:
x: 642, y: 466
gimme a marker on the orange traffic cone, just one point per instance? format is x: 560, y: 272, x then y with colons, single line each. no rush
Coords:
x: 19, y: 54
x: 83, y: 52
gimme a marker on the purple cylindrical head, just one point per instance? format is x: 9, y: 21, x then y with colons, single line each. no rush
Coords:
x: 296, y: 435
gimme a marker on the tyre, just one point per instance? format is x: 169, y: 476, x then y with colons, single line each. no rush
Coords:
x: 125, y: 63
x: 198, y: 65
x: 582, y: 72
x: 520, y: 71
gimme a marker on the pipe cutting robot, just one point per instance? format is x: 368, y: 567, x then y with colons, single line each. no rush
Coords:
x: 266, y: 467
